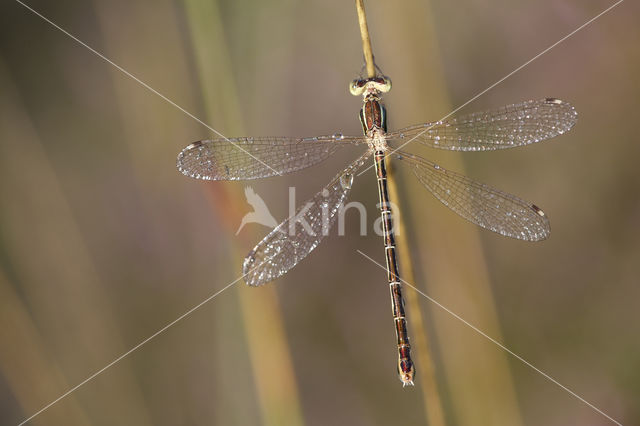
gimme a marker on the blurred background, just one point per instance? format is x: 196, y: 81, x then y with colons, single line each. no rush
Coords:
x: 103, y: 242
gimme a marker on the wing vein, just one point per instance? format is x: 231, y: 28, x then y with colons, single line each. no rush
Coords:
x: 478, y: 203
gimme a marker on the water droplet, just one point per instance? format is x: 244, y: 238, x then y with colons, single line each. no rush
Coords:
x: 346, y: 181
x: 338, y: 136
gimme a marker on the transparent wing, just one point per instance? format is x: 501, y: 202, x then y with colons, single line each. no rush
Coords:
x: 507, y: 127
x: 253, y: 158
x: 490, y: 208
x: 296, y: 237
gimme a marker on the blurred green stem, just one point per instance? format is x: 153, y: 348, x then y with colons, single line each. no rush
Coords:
x: 273, y: 372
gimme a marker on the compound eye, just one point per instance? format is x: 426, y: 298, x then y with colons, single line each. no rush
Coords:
x: 356, y: 88
x: 382, y: 84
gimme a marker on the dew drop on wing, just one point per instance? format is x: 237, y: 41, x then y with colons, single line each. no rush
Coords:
x: 346, y: 181
x: 248, y: 262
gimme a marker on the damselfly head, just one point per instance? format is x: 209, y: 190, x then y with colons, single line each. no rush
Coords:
x: 374, y: 84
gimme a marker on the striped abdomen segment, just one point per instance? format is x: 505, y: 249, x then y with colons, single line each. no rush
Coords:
x: 406, y: 369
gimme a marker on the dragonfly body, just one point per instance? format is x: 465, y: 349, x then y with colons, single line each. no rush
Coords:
x: 292, y: 240
x: 374, y: 126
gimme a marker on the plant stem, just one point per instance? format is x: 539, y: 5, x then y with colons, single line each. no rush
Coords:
x: 366, y: 41
x: 431, y: 396
x: 420, y: 341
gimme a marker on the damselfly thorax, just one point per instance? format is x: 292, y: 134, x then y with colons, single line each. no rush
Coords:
x: 373, y: 115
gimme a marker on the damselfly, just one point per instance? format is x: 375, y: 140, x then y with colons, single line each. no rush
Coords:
x: 252, y: 158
